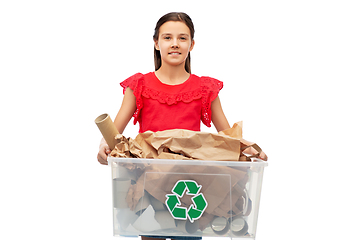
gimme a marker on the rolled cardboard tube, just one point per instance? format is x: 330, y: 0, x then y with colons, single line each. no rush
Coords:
x: 120, y: 189
x: 107, y: 129
x: 187, y: 226
x: 122, y: 172
x: 239, y: 226
x: 249, y: 207
x: 220, y: 225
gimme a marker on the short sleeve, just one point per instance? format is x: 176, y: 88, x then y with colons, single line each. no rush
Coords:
x: 132, y: 82
x: 210, y: 90
x: 135, y: 83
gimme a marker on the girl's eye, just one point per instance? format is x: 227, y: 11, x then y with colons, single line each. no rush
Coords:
x: 167, y: 38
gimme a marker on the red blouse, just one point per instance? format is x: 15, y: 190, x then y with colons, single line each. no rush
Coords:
x: 163, y: 107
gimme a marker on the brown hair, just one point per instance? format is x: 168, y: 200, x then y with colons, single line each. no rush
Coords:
x: 177, y: 17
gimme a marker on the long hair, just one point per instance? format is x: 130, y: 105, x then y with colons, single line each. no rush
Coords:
x: 177, y: 17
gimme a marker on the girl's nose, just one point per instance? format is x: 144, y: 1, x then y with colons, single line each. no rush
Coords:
x: 175, y: 44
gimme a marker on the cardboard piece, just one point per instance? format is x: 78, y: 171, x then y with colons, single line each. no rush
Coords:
x: 143, y: 203
x: 165, y: 219
x: 107, y: 129
x: 157, y: 205
x: 125, y: 217
x: 147, y: 222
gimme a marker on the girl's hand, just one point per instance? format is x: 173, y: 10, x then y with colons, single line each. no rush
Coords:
x: 104, y: 151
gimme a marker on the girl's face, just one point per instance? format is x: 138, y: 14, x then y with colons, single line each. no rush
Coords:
x: 174, y: 43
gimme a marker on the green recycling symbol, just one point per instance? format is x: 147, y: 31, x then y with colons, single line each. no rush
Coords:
x: 195, y: 210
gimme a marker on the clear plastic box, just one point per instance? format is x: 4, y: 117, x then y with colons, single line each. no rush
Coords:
x: 163, y: 197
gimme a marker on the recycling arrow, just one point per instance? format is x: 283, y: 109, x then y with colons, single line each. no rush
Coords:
x: 172, y: 201
x: 179, y: 188
x: 200, y: 202
x: 195, y: 210
x: 193, y: 187
x: 193, y: 214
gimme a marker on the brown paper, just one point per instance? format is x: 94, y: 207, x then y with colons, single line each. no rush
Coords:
x: 191, y: 144
x: 234, y: 132
x: 227, y: 145
x: 126, y: 148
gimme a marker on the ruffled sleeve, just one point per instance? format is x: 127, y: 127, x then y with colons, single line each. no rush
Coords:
x: 135, y: 83
x: 210, y: 88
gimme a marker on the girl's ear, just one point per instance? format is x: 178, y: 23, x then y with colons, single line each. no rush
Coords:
x: 192, y: 45
x: 156, y: 45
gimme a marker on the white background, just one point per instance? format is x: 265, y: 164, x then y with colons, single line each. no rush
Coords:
x: 290, y: 71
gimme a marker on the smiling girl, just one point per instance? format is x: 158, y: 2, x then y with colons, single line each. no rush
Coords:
x: 171, y: 97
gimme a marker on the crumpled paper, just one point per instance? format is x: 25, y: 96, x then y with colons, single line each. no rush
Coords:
x: 126, y: 148
x: 227, y: 145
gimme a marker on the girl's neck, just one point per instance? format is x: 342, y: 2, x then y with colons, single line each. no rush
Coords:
x: 172, y: 75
